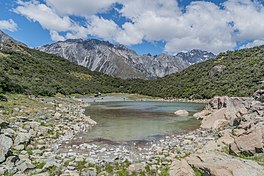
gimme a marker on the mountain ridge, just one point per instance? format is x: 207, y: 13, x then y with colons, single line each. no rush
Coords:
x: 119, y: 61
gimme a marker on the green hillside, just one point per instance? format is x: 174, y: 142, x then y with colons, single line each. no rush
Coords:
x: 243, y: 73
x: 30, y: 71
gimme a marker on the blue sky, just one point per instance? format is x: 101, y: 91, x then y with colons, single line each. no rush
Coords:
x: 149, y: 26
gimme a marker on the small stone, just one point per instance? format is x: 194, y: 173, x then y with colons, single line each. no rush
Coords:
x: 19, y: 147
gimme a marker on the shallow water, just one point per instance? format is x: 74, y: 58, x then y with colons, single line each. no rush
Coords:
x: 124, y: 121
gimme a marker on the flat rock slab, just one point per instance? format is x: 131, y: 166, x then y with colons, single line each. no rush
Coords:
x: 181, y: 168
x: 221, y: 164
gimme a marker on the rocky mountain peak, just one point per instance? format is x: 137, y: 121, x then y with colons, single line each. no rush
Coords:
x: 7, y: 40
x: 120, y: 61
x: 195, y: 56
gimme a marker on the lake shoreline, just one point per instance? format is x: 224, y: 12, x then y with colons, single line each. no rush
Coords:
x: 37, y: 126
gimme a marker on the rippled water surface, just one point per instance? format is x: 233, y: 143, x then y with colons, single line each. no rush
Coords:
x: 122, y: 121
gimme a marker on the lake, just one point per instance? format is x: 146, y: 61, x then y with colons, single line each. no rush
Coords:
x: 123, y: 121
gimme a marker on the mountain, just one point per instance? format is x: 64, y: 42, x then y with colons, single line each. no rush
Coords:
x: 196, y: 56
x: 119, y: 61
x: 6, y: 40
x: 233, y: 73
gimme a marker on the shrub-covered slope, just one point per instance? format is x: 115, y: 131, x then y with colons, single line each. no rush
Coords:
x: 236, y: 73
x: 33, y: 72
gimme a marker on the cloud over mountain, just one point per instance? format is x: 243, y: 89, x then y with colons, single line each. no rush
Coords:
x: 201, y: 25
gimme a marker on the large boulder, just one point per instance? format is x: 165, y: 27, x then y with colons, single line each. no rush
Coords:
x: 5, y: 145
x: 202, y: 114
x: 250, y: 142
x: 221, y: 164
x: 221, y: 111
x: 181, y: 113
x: 181, y: 168
x: 208, y: 122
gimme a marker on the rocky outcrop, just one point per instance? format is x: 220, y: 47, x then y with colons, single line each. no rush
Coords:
x: 119, y: 61
x: 221, y: 111
x: 220, y: 164
x: 216, y: 70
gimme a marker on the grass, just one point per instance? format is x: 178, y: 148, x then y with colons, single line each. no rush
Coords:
x: 197, y: 172
x: 81, y: 165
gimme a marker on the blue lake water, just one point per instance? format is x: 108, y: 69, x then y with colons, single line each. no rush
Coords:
x: 122, y: 121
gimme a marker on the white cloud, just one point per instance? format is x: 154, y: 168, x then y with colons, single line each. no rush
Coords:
x: 253, y: 44
x: 55, y: 36
x: 9, y: 25
x: 50, y: 20
x: 80, y: 7
x: 202, y: 25
x: 41, y: 13
x: 106, y: 29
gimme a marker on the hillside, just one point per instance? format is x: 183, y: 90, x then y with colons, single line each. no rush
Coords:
x: 236, y: 73
x: 33, y: 72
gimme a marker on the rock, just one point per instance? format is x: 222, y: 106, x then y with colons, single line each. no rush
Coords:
x: 22, y: 138
x: 3, y: 124
x: 208, y: 121
x: 252, y: 142
x: 258, y: 95
x: 9, y: 132
x: 24, y: 166
x: 137, y: 167
x: 219, y: 124
x: 181, y: 113
x: 216, y: 103
x: 19, y: 147
x: 200, y: 115
x: 2, y: 170
x: 3, y: 98
x: 181, y: 168
x: 216, y: 70
x: 216, y: 163
x: 239, y: 131
x: 57, y: 115
x: 5, y: 144
x: 226, y: 139
x: 50, y: 163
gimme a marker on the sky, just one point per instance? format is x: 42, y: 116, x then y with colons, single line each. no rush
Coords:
x: 146, y: 26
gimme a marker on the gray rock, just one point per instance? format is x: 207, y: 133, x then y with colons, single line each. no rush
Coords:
x: 22, y: 138
x: 136, y: 167
x: 5, y: 144
x: 216, y: 163
x: 181, y: 168
x: 25, y: 165
x: 216, y: 70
